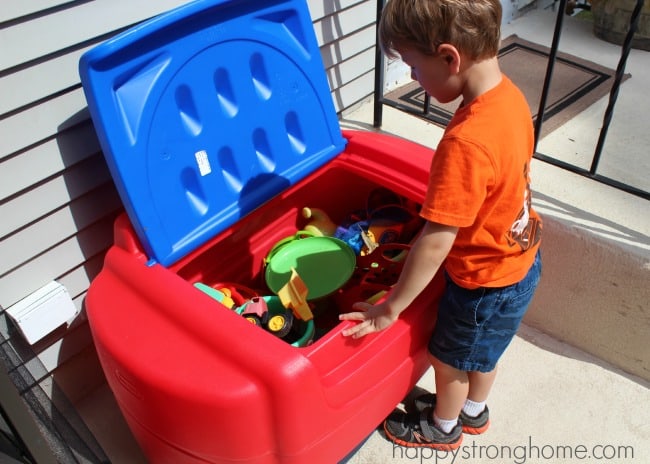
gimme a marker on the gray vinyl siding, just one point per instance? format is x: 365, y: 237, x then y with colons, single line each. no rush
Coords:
x: 347, y: 41
x: 57, y: 199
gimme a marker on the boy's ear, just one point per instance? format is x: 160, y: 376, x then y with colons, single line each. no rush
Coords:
x: 451, y: 55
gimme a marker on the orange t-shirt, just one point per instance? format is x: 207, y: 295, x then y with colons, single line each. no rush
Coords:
x: 479, y: 183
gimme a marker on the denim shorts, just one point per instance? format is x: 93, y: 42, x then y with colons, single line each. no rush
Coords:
x: 475, y: 327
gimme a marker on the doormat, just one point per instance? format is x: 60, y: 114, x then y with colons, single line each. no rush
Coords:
x: 575, y: 85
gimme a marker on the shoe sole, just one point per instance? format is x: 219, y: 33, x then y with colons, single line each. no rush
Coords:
x: 437, y: 446
x: 476, y: 430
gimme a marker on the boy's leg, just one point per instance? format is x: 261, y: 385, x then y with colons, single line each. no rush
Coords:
x: 460, y: 394
x: 480, y: 384
x: 433, y: 427
x: 452, y: 388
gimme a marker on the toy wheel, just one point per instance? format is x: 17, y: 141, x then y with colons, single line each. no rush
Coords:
x: 280, y: 324
x: 253, y: 319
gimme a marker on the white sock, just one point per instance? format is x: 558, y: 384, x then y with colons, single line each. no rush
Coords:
x: 444, y: 424
x: 472, y: 408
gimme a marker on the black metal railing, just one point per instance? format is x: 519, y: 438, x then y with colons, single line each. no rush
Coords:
x: 592, y: 172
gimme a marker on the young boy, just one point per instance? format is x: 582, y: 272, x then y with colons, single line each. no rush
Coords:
x: 477, y: 208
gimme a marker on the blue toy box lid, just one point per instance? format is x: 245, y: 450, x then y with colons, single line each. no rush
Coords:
x: 206, y: 112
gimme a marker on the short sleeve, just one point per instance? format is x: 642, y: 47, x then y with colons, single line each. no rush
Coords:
x: 460, y: 177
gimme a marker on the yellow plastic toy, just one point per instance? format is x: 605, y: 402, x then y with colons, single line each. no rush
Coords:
x: 320, y: 223
x: 293, y: 295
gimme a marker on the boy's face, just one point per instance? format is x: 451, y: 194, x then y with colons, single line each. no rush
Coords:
x: 435, y: 73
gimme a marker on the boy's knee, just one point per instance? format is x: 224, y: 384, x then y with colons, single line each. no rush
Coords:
x: 438, y: 365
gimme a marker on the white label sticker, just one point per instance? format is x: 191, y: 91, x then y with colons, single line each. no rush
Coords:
x: 203, y: 162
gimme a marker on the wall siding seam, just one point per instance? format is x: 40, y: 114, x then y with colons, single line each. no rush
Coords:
x: 55, y: 181
x: 41, y: 101
x: 63, y: 221
x: 37, y: 14
x: 36, y: 183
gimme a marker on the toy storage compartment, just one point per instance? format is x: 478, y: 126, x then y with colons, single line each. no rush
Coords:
x: 189, y: 374
x: 237, y: 256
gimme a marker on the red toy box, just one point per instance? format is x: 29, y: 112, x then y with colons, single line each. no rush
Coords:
x: 218, y: 127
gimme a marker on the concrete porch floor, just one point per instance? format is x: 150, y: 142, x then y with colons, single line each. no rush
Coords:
x: 551, y: 402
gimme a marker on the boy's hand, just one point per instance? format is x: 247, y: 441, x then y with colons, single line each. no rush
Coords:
x: 422, y: 262
x: 371, y: 319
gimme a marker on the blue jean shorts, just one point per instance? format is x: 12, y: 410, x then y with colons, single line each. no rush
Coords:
x: 475, y: 327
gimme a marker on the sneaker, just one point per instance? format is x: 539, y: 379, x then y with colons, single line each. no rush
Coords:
x: 471, y: 425
x: 417, y: 430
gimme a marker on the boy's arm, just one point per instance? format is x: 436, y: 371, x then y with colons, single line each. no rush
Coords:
x: 422, y: 262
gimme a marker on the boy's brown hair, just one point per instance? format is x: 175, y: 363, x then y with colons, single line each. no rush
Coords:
x: 472, y: 26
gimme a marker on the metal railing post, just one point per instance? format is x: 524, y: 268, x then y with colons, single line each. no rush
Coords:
x: 549, y: 70
x: 618, y: 79
x: 379, y: 75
